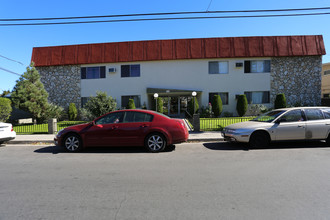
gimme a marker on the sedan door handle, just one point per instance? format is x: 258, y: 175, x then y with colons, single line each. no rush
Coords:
x: 300, y: 126
x: 115, y: 127
x: 144, y: 126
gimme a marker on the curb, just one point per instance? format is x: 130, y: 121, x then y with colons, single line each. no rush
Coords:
x: 30, y: 142
x: 52, y: 142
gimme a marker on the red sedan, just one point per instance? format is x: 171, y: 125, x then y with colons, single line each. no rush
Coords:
x: 125, y: 128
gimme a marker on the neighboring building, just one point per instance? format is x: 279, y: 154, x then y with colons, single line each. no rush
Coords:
x: 325, y: 80
x: 260, y: 67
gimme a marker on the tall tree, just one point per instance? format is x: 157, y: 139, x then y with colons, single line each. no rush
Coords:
x: 5, y: 109
x: 217, y: 105
x: 30, y: 95
x: 100, y: 104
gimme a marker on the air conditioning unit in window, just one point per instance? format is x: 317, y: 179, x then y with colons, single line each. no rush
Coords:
x: 112, y: 70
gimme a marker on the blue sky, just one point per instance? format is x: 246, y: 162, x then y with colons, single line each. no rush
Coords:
x: 16, y: 42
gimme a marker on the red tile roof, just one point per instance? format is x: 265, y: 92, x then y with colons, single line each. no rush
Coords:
x: 201, y: 48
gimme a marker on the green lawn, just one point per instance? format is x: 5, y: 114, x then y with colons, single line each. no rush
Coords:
x: 206, y: 124
x: 217, y: 124
x: 43, y: 128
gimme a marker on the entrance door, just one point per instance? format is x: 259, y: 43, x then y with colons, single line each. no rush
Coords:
x: 174, y: 106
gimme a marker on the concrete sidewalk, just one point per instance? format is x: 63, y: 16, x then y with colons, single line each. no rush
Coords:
x: 49, y: 138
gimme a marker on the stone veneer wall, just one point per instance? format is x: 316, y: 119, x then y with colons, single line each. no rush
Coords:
x: 299, y: 78
x: 62, y: 84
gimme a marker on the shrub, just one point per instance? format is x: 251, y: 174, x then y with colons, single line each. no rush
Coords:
x: 72, y: 112
x: 227, y: 114
x: 130, y: 104
x: 206, y: 112
x: 85, y: 115
x: 217, y: 105
x: 5, y: 109
x: 280, y: 101
x: 55, y: 111
x: 160, y: 105
x: 242, y: 105
x: 256, y: 109
x: 100, y: 104
x: 191, y: 106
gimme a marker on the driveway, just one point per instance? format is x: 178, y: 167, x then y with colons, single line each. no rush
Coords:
x: 190, y: 181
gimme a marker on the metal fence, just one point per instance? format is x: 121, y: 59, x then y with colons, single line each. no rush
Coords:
x: 42, y: 128
x: 217, y: 124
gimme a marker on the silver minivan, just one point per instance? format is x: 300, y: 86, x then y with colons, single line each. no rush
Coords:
x: 300, y: 123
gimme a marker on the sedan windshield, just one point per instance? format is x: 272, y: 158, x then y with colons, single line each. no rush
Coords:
x: 268, y: 116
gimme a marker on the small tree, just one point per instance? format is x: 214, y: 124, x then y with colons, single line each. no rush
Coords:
x: 55, y: 111
x: 280, y: 101
x: 30, y: 95
x: 160, y: 104
x: 72, y: 112
x: 130, y: 104
x: 5, y: 109
x: 217, y: 105
x: 242, y: 105
x: 191, y: 109
x: 100, y: 104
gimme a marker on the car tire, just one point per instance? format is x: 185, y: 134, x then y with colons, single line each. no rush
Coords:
x: 259, y: 140
x: 72, y: 143
x: 1, y: 142
x: 155, y: 142
x: 328, y: 140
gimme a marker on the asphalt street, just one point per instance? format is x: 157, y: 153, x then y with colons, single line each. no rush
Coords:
x: 191, y: 181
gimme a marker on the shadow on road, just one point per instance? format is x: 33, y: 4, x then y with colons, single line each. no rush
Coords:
x: 226, y: 146
x: 113, y: 150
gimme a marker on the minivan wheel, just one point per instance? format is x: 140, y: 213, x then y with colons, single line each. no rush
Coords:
x: 259, y: 139
x: 72, y: 143
x: 155, y: 143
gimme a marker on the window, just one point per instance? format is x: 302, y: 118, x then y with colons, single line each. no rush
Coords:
x: 326, y: 95
x: 136, y: 98
x: 111, y: 118
x: 84, y: 100
x: 326, y: 72
x: 95, y: 72
x: 257, y: 66
x: 130, y: 70
x: 137, y: 117
x: 261, y: 97
x: 326, y: 113
x: 292, y: 116
x: 313, y: 114
x: 223, y: 96
x: 218, y: 67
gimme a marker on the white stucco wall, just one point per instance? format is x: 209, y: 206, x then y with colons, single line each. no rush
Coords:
x: 178, y: 74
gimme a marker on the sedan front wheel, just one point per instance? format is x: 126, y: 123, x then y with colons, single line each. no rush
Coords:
x: 72, y: 143
x: 155, y: 143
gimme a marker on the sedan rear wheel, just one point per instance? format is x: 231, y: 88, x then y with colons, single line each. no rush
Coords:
x: 155, y: 143
x: 72, y: 143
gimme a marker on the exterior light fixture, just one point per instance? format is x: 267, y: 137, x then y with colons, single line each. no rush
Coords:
x: 194, y: 95
x: 156, y: 97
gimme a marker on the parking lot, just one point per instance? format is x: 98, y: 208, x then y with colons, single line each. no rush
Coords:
x: 213, y: 180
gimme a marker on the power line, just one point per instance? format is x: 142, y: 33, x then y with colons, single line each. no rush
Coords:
x: 12, y: 60
x: 165, y: 13
x: 9, y: 71
x: 163, y: 19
